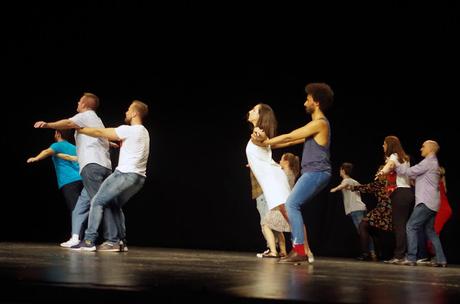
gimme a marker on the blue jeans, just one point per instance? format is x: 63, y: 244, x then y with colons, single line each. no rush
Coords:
x: 80, y: 212
x: 115, y: 191
x: 422, y: 216
x: 93, y: 176
x: 308, y: 185
x: 357, y: 217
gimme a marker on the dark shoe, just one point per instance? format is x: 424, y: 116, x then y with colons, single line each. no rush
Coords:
x: 108, y: 247
x: 436, y: 264
x: 123, y: 246
x: 406, y: 262
x: 363, y: 257
x: 85, y: 245
x: 293, y: 257
x: 373, y: 257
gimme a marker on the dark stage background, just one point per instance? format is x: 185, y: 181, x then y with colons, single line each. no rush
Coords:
x: 201, y: 67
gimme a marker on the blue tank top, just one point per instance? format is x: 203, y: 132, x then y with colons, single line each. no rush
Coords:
x: 315, y: 158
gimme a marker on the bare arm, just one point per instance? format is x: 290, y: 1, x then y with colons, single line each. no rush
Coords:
x: 67, y: 157
x: 389, y: 166
x: 298, y: 135
x: 108, y: 133
x: 42, y: 155
x: 342, y: 186
x: 60, y: 124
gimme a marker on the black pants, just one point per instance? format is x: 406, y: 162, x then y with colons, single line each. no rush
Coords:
x: 71, y: 192
x: 402, y: 204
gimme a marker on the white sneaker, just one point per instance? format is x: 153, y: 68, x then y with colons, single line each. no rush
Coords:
x: 70, y: 243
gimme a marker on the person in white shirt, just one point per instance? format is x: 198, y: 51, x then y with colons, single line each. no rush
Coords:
x: 128, y: 177
x: 402, y: 198
x: 95, y: 165
x: 354, y: 206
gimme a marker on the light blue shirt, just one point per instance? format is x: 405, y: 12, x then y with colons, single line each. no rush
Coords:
x: 426, y: 175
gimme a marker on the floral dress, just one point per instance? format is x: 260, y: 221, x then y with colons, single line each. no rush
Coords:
x: 381, y: 216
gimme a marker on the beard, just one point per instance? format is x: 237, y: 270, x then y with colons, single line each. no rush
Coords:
x: 309, y: 110
x: 128, y: 120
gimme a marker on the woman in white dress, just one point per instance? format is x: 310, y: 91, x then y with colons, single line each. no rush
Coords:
x: 271, y: 177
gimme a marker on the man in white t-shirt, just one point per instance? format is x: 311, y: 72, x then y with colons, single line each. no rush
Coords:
x: 128, y: 177
x: 95, y: 165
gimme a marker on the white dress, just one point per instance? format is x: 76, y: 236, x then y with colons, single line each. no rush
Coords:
x: 271, y: 177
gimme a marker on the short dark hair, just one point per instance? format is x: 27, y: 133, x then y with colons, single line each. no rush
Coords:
x: 95, y: 104
x: 141, y: 108
x: 67, y: 134
x: 321, y: 93
x: 347, y: 168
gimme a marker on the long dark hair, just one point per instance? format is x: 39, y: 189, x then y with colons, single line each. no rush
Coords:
x: 394, y: 146
x: 267, y: 120
x: 294, y: 163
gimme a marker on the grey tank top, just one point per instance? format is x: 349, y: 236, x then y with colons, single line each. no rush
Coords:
x: 315, y: 158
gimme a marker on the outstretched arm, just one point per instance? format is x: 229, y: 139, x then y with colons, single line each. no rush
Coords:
x: 343, y: 185
x: 60, y: 124
x: 42, y: 155
x: 67, y: 157
x: 108, y: 133
x: 297, y: 136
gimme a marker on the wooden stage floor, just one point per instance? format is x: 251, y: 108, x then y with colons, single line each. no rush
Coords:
x: 32, y: 272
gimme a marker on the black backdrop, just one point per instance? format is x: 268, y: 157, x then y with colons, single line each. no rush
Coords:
x: 201, y: 67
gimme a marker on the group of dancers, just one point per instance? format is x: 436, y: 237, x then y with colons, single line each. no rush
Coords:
x: 411, y: 217
x: 94, y: 193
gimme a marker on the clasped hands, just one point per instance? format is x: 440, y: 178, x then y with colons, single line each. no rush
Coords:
x: 259, y: 137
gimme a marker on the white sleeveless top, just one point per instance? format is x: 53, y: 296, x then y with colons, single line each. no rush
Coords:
x: 271, y: 177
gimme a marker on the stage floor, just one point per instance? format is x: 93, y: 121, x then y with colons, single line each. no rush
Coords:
x: 31, y: 272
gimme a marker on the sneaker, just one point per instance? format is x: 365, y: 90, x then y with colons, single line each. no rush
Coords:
x: 261, y: 255
x: 85, y: 245
x: 71, y: 242
x: 123, y: 246
x: 424, y: 261
x: 311, y: 258
x: 394, y: 261
x: 108, y: 247
x: 406, y: 262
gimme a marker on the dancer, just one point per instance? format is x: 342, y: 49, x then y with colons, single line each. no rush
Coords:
x: 353, y: 205
x: 380, y: 217
x: 67, y: 172
x: 316, y: 167
x: 402, y: 198
x: 427, y: 202
x: 94, y: 161
x: 128, y: 177
x: 272, y: 179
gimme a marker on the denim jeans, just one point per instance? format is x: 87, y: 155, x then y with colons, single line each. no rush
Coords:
x: 308, y: 185
x: 115, y: 191
x: 93, y: 176
x: 80, y: 212
x: 423, y: 216
x: 357, y: 217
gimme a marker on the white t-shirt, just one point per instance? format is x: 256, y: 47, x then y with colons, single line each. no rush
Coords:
x: 402, y: 181
x: 134, y: 150
x: 351, y: 199
x: 91, y: 149
x: 271, y: 177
